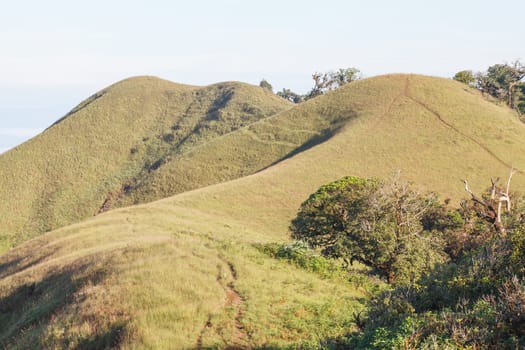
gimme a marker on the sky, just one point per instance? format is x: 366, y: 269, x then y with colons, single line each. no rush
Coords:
x: 54, y: 53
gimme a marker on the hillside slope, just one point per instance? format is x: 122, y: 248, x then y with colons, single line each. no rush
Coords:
x: 435, y: 131
x: 119, y: 137
x: 185, y: 272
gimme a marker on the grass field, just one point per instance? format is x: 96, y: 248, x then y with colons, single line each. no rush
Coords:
x: 114, y: 142
x: 186, y: 271
x: 159, y: 277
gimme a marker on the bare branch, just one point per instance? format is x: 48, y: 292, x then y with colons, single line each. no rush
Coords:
x: 493, y: 188
x: 512, y: 171
x: 474, y: 197
x: 467, y: 188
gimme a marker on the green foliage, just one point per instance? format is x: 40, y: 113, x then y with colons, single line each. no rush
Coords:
x: 465, y: 77
x: 266, y: 85
x: 323, y: 82
x: 329, y: 81
x: 300, y: 254
x: 384, y: 225
x: 503, y: 81
x: 476, y: 300
x: 291, y: 96
x: 521, y: 99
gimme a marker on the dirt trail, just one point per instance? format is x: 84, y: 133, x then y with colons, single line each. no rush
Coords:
x: 203, y: 330
x: 380, y: 121
x: 405, y: 93
x: 240, y: 338
x: 468, y: 137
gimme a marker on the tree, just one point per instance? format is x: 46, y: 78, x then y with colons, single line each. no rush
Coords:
x: 521, y: 99
x: 380, y: 224
x: 289, y: 95
x: 503, y: 81
x: 266, y: 85
x: 346, y: 75
x: 323, y: 82
x: 465, y: 77
x: 328, y: 81
x: 490, y: 209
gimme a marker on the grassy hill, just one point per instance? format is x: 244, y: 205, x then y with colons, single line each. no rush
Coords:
x: 116, y: 140
x: 186, y: 271
x: 145, y: 139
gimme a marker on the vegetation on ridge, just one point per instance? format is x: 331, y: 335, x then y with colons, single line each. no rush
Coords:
x: 146, y: 277
x: 323, y: 82
x: 384, y: 225
x: 117, y: 144
x: 501, y: 81
x: 472, y: 296
x: 213, y: 267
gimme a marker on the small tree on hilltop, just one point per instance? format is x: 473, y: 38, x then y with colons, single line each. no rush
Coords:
x: 465, y: 77
x: 380, y: 224
x: 328, y: 81
x: 266, y: 85
x: 289, y: 95
x: 503, y: 81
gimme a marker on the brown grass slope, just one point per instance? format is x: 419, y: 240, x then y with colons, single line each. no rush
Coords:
x: 119, y: 137
x: 435, y: 131
x: 183, y: 272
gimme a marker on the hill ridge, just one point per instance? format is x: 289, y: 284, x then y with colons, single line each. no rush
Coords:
x: 485, y: 148
x: 127, y: 130
x: 146, y: 276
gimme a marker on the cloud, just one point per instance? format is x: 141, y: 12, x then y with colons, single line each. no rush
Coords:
x: 20, y: 132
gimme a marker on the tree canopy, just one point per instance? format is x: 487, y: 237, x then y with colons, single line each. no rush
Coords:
x: 266, y: 85
x: 323, y: 82
x: 465, y: 77
x: 473, y: 300
x: 328, y: 81
x: 291, y: 96
x: 383, y: 225
x: 502, y: 81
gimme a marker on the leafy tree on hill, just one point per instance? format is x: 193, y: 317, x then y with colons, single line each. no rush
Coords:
x: 502, y: 81
x: 328, y: 81
x: 384, y: 225
x: 266, y: 85
x: 291, y: 96
x: 473, y: 301
x: 521, y: 100
x: 323, y: 82
x: 465, y: 77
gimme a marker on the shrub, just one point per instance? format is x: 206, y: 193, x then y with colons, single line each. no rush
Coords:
x: 384, y: 225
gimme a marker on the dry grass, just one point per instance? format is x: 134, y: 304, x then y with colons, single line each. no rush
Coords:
x: 146, y: 277
x: 166, y: 274
x: 145, y: 139
x: 114, y: 145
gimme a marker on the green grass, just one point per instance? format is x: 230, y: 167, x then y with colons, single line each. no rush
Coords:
x: 115, y: 144
x: 145, y: 139
x: 145, y: 277
x: 186, y: 271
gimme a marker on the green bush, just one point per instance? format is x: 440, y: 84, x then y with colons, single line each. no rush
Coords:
x: 301, y: 255
x: 476, y: 300
x: 384, y: 225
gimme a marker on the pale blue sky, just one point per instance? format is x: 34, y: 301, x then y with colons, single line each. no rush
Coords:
x: 54, y: 53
